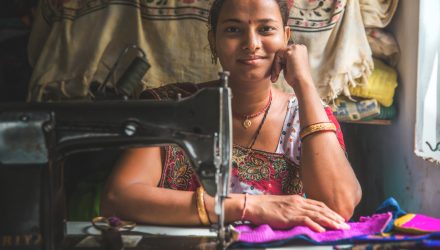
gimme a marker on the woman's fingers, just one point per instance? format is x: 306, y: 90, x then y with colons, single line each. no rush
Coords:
x: 287, y: 60
x: 294, y: 210
x: 324, y: 216
x: 324, y: 220
x: 277, y: 66
x: 320, y: 204
x: 306, y: 221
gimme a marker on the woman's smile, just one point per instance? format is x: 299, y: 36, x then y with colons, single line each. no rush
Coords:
x: 252, y: 60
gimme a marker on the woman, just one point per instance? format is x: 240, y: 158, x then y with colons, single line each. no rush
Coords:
x: 250, y: 39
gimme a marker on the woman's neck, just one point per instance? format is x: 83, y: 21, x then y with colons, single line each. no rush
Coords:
x: 249, y: 98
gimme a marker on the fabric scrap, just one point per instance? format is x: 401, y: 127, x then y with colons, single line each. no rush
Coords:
x: 417, y: 224
x: 366, y: 226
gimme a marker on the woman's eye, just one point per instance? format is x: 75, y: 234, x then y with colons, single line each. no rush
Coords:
x: 232, y: 29
x: 267, y: 29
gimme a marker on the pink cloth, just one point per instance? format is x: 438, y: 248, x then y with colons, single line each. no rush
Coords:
x: 366, y: 226
x: 422, y: 224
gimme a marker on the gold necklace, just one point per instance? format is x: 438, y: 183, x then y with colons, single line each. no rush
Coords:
x: 257, y: 133
x: 247, y: 118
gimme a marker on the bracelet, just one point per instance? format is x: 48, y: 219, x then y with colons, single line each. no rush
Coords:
x: 243, y: 213
x: 204, y: 205
x: 201, y: 210
x: 317, y: 127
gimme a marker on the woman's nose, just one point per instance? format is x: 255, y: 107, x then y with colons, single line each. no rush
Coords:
x: 251, y: 41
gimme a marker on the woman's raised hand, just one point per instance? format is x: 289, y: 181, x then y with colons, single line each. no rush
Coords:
x: 294, y: 62
x: 292, y: 210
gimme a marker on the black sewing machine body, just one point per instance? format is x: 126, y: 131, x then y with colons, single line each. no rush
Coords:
x: 36, y: 138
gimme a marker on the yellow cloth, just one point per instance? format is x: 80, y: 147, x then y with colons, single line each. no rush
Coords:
x: 381, y: 84
x: 400, y: 222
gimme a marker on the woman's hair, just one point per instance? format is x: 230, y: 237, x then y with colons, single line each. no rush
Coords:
x: 214, y: 12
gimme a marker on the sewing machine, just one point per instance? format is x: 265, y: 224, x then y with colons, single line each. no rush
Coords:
x: 36, y: 138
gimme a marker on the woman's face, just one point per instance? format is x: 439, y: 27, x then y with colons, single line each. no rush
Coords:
x: 249, y: 33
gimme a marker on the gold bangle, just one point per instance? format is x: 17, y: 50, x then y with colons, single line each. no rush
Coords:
x: 201, y: 210
x: 317, y: 127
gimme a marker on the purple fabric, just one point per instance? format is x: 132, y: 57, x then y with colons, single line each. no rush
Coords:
x: 366, y: 226
x: 423, y: 223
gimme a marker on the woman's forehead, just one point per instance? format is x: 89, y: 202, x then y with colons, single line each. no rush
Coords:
x: 250, y: 11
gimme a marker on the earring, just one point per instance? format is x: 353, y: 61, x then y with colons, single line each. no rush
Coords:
x: 214, y: 57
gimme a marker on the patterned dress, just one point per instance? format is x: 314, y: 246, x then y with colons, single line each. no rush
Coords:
x: 253, y: 171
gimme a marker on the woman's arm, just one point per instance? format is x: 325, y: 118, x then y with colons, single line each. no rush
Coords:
x: 326, y: 173
x: 132, y: 194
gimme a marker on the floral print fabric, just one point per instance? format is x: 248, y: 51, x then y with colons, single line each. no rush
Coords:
x: 253, y: 171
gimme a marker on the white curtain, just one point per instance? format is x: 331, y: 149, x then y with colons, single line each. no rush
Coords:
x: 427, y: 143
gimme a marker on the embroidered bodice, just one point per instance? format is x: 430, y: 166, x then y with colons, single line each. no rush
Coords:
x: 253, y: 171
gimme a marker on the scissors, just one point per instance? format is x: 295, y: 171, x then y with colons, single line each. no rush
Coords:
x: 111, y: 228
x: 105, y: 223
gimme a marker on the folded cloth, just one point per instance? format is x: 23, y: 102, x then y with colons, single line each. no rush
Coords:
x: 366, y: 109
x: 417, y: 224
x: 386, y: 113
x: 383, y: 45
x: 397, y: 245
x: 381, y: 84
x: 335, y: 36
x: 432, y: 238
x: 366, y: 226
x: 391, y: 235
x: 378, y: 13
x: 348, y: 110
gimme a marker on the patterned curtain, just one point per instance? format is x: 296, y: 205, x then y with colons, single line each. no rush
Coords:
x: 76, y: 42
x: 427, y: 143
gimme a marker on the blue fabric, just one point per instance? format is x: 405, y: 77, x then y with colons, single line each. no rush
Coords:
x: 390, y: 205
x: 399, y: 237
x: 432, y: 243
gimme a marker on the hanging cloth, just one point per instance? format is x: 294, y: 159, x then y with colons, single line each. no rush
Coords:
x: 75, y: 42
x: 377, y: 13
x: 427, y: 134
x: 335, y: 37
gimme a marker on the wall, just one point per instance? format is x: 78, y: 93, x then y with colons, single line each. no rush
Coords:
x: 383, y: 156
